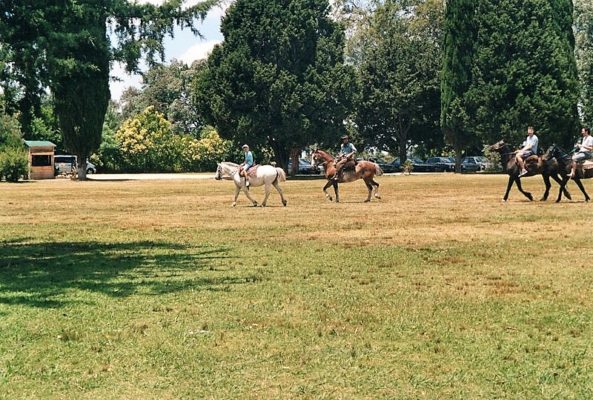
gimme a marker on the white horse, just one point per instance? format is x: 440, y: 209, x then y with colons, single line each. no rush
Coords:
x: 265, y: 175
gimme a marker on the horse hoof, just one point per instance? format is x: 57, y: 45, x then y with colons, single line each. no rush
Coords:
x: 377, y: 197
x: 284, y: 203
x: 234, y: 205
x: 255, y: 204
x: 367, y: 201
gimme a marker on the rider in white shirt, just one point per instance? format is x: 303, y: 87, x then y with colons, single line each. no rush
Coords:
x: 584, y: 152
x: 529, y: 148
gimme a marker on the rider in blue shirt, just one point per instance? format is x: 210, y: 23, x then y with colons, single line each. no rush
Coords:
x: 347, y: 151
x: 247, y: 163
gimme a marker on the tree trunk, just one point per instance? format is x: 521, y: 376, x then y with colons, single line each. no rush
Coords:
x: 403, y: 154
x: 81, y: 167
x: 280, y: 155
x: 294, y: 158
x: 458, y: 154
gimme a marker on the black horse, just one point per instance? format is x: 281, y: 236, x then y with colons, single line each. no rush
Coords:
x: 535, y: 166
x: 565, y: 163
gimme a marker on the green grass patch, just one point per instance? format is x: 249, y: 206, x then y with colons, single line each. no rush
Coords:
x: 161, y: 290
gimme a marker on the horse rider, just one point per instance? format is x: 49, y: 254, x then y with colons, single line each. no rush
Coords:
x: 247, y: 163
x: 345, y: 157
x: 584, y: 152
x: 529, y: 148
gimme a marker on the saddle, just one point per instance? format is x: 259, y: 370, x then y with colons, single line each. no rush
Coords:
x: 347, y: 163
x: 252, y: 171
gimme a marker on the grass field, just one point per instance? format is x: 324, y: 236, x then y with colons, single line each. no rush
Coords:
x: 160, y: 290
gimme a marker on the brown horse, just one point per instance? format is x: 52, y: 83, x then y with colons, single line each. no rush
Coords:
x: 565, y: 164
x: 535, y: 165
x: 365, y: 170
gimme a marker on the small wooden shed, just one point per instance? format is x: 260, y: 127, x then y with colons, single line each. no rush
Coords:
x: 41, y: 159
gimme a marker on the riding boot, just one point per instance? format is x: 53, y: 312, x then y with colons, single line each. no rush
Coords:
x: 247, y: 181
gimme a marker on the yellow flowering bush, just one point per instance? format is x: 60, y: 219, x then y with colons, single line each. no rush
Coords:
x: 147, y: 143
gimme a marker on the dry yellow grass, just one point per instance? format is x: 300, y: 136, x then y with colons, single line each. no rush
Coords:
x: 162, y: 290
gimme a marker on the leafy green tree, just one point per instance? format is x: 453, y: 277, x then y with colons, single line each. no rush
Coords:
x: 584, y: 54
x: 168, y: 89
x: 279, y: 77
x: 400, y: 76
x: 524, y: 71
x: 64, y: 44
x: 460, y: 33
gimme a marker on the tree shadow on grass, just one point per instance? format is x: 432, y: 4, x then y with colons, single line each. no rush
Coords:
x: 45, y: 274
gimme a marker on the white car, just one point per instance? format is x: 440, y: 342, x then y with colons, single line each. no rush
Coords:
x: 65, y: 164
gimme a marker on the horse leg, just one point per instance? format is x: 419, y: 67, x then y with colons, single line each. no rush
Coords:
x: 376, y: 184
x: 562, y: 188
x: 559, y: 181
x: 336, y: 191
x: 237, y: 191
x: 548, y: 186
x: 267, y: 189
x: 526, y: 194
x: 509, y: 186
x: 580, y: 185
x: 327, y: 195
x: 370, y: 189
x: 277, y: 186
x: 251, y: 199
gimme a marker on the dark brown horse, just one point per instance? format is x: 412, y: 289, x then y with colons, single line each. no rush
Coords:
x: 535, y: 165
x: 565, y: 165
x: 365, y: 170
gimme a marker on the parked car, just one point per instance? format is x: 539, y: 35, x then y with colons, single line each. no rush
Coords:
x: 440, y: 164
x: 420, y: 166
x: 66, y: 164
x: 473, y: 164
x: 393, y: 166
x: 305, y: 167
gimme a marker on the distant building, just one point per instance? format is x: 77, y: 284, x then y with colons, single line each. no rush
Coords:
x: 41, y: 159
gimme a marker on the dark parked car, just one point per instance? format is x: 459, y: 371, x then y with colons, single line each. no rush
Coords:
x: 304, y: 168
x: 473, y: 164
x: 393, y: 166
x: 420, y: 166
x: 440, y: 164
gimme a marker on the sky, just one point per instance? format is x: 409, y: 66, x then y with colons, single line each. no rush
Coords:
x: 184, y: 47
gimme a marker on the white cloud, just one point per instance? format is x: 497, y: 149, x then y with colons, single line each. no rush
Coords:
x: 198, y: 51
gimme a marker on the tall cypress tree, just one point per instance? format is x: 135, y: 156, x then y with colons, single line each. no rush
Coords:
x: 524, y: 71
x: 64, y: 44
x: 584, y: 53
x: 460, y: 33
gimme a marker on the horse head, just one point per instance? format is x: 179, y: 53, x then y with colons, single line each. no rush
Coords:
x: 218, y: 175
x: 320, y: 157
x: 498, y: 146
x: 552, y: 152
x: 555, y: 151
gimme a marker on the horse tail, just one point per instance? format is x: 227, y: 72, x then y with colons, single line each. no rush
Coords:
x: 378, y: 170
x: 281, y: 175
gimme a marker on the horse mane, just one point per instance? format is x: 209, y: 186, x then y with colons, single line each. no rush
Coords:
x: 230, y: 164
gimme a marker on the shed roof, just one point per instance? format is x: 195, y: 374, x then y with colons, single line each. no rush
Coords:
x: 39, y: 143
